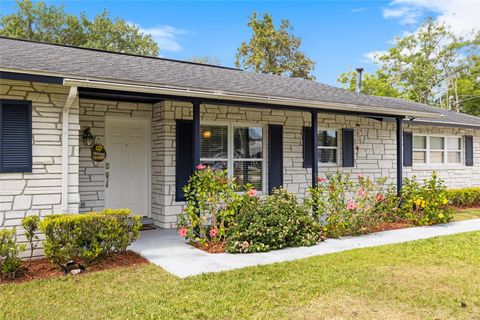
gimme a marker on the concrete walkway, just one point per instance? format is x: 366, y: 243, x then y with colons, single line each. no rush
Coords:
x: 169, y: 251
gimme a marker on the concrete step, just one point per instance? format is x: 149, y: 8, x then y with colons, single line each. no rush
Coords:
x: 147, y: 220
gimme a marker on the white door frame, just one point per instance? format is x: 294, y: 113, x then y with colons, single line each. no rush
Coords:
x: 148, y: 142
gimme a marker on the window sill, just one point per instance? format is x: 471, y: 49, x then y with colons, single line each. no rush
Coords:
x: 439, y: 167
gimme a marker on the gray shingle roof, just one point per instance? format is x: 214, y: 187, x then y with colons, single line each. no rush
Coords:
x: 96, y: 64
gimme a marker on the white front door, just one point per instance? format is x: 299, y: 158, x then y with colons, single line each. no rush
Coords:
x: 126, y: 168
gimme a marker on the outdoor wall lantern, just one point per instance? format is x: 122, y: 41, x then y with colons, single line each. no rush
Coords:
x: 88, y: 138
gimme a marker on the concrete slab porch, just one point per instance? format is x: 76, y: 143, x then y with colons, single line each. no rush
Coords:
x: 169, y: 251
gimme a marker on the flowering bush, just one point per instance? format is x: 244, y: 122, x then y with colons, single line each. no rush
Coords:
x: 427, y: 203
x: 212, y: 202
x: 276, y: 222
x: 346, y: 206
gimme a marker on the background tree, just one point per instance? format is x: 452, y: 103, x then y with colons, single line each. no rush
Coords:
x: 37, y: 21
x: 430, y: 66
x: 273, y: 51
x: 376, y: 84
x: 206, y: 60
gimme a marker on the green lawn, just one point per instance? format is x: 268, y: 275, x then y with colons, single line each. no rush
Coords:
x: 428, y: 279
x: 466, y: 214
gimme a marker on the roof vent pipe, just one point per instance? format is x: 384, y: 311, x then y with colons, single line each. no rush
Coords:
x: 359, y: 80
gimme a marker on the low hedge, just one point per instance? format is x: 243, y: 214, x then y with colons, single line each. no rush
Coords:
x: 466, y: 197
x: 9, y: 251
x: 88, y: 236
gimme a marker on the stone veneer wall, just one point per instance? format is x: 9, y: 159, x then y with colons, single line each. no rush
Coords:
x: 456, y: 176
x: 92, y: 174
x: 376, y: 155
x: 40, y: 192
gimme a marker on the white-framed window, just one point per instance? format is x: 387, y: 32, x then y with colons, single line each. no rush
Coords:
x: 238, y: 148
x: 327, y: 146
x: 437, y: 149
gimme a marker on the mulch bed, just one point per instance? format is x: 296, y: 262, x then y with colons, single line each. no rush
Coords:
x: 213, y: 248
x: 385, y: 226
x: 475, y: 206
x: 43, y: 269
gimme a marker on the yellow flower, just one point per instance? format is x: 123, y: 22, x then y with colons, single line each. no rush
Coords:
x: 424, y: 204
x: 440, y: 215
x: 445, y: 201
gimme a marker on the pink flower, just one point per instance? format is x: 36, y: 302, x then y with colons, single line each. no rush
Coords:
x: 321, y: 179
x: 379, y: 197
x: 182, y: 232
x: 351, y: 205
x: 362, y: 193
x: 252, y: 193
x: 213, y: 232
x: 359, y: 175
x: 201, y: 166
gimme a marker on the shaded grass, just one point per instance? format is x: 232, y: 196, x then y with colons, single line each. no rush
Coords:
x: 424, y: 279
x: 466, y: 214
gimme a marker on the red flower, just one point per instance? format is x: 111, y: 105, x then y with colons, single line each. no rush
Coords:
x: 379, y: 197
x: 213, y: 232
x: 182, y: 232
x: 201, y: 166
x: 321, y: 179
x: 252, y: 193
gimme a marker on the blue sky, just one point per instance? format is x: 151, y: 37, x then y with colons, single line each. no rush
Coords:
x: 337, y: 35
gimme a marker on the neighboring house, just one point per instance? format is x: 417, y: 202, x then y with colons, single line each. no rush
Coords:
x: 158, y: 118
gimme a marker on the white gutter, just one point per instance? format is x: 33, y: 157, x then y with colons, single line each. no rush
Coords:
x: 239, y: 97
x: 65, y: 145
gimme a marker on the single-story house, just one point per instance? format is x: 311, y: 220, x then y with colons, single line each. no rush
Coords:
x: 83, y: 129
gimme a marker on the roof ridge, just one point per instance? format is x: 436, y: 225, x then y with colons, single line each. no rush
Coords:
x: 121, y: 53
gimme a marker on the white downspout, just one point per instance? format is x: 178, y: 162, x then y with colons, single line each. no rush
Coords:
x: 65, y: 145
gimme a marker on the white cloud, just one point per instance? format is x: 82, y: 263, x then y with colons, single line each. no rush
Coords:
x: 372, y: 57
x: 166, y: 36
x: 462, y: 16
x: 406, y: 15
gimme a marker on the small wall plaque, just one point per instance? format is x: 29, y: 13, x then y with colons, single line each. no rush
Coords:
x: 98, y: 152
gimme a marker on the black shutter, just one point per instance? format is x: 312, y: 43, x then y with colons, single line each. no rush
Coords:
x: 469, y: 151
x: 275, y: 157
x: 407, y: 149
x: 307, y: 147
x: 348, y: 146
x: 15, y: 136
x: 184, y: 156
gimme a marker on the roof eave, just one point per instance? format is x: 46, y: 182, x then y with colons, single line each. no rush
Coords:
x: 232, y: 96
x: 74, y: 80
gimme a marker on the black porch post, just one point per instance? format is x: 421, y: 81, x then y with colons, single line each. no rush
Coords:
x: 399, y: 155
x: 196, y: 133
x: 314, y: 148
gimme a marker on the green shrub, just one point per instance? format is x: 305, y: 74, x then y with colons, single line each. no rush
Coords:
x: 346, y: 206
x: 9, y: 251
x: 426, y: 203
x: 276, y: 222
x: 466, y: 197
x: 30, y: 224
x: 212, y: 202
x: 88, y: 236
